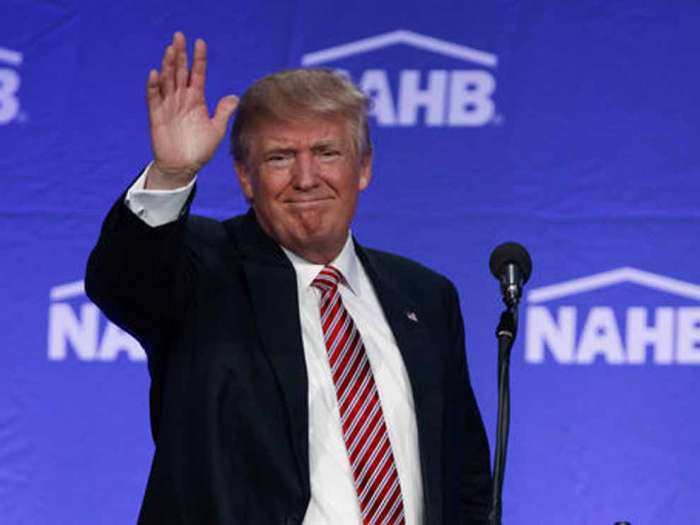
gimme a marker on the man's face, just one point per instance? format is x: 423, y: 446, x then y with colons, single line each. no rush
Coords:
x: 303, y: 179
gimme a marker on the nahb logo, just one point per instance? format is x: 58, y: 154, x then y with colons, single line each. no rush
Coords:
x: 9, y: 85
x: 438, y: 91
x: 78, y: 330
x: 580, y: 331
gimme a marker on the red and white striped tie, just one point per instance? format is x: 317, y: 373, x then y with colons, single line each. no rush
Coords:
x: 364, y: 431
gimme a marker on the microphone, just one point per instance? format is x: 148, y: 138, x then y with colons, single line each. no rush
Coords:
x: 512, y: 266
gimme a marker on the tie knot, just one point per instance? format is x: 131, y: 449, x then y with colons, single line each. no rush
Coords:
x: 327, y: 279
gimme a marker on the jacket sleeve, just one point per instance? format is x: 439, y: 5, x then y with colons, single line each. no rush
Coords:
x: 140, y: 276
x: 467, y: 433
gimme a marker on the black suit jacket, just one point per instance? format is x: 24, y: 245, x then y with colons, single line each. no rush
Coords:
x: 215, y: 307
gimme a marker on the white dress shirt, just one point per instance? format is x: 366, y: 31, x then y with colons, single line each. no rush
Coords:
x: 333, y: 497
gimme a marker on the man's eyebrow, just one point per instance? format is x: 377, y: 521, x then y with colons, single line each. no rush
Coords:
x: 282, y: 147
x: 327, y: 143
x: 278, y: 149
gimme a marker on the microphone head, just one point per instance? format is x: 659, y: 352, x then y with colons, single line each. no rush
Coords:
x: 510, y: 252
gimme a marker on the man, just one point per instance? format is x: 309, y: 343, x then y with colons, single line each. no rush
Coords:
x: 296, y: 377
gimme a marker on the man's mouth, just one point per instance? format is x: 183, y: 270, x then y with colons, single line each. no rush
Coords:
x: 308, y: 202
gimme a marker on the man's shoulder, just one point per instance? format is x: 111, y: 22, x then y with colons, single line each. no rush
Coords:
x: 209, y: 231
x: 204, y: 227
x: 399, y: 262
x: 407, y: 272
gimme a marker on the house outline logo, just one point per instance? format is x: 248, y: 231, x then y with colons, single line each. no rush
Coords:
x: 8, y: 56
x: 401, y: 36
x: 412, y: 97
x: 66, y: 291
x: 9, y: 86
x: 78, y: 330
x: 569, y: 335
x: 622, y: 275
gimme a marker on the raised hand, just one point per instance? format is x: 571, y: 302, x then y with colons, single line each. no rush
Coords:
x: 183, y: 136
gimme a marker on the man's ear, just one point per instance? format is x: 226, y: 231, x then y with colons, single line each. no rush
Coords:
x: 365, y: 172
x: 245, y: 179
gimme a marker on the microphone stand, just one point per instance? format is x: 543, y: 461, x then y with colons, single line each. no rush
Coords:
x: 505, y: 332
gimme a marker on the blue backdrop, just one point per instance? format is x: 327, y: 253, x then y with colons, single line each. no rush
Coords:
x: 571, y: 127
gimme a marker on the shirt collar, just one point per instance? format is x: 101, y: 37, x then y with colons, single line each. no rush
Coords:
x: 346, y: 261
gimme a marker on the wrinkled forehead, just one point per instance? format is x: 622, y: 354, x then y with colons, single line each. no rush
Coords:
x: 302, y: 130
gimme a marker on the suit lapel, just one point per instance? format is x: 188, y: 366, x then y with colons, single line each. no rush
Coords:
x: 273, y: 292
x: 404, y: 318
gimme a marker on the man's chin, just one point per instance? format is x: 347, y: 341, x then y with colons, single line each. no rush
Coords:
x: 319, y: 245
x: 310, y: 225
x: 311, y: 204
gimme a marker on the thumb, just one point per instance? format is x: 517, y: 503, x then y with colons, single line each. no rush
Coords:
x: 224, y: 109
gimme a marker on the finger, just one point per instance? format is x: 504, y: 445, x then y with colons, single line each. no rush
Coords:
x: 199, y: 66
x: 180, y: 46
x: 224, y: 109
x: 167, y: 80
x: 153, y: 96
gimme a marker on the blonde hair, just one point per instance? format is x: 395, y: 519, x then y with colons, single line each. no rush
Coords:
x: 296, y: 94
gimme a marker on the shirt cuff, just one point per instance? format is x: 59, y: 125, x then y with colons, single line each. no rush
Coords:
x: 156, y: 207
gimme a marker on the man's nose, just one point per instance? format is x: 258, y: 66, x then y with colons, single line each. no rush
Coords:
x: 304, y: 172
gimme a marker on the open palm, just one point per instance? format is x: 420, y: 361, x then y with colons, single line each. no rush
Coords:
x: 183, y: 136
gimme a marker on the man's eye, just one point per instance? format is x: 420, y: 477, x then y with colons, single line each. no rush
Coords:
x: 329, y: 154
x: 278, y: 158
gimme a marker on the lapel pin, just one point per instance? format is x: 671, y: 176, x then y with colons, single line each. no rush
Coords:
x: 412, y: 316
